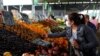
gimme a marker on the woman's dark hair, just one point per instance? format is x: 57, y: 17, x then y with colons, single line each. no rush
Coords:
x: 77, y: 18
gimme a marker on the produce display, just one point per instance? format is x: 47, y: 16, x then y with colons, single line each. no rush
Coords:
x: 7, y: 54
x: 56, y: 29
x: 32, y: 31
x: 27, y: 31
x: 35, y: 30
x: 49, y: 22
x: 61, y: 41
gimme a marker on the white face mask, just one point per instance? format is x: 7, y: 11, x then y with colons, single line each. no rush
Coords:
x: 67, y: 24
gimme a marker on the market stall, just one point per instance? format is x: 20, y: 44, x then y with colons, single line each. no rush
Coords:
x: 21, y: 34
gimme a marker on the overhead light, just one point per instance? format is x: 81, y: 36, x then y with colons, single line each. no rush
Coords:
x: 91, y: 0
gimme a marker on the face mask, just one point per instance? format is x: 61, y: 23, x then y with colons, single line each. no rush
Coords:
x: 67, y: 24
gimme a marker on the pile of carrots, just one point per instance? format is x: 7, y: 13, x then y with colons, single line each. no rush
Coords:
x: 26, y: 31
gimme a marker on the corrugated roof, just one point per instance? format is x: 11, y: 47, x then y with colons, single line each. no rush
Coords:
x: 68, y: 0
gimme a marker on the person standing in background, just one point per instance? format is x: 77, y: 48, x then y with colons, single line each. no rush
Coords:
x: 94, y: 21
x: 88, y: 23
x: 98, y: 23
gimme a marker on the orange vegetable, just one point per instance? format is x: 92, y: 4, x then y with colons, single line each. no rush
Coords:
x: 59, y: 41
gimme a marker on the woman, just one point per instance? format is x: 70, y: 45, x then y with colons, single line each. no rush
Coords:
x: 78, y: 31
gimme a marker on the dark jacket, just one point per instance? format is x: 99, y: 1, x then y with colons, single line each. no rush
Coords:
x: 91, y: 25
x: 85, y: 37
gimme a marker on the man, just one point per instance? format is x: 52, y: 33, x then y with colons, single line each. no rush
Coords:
x: 91, y: 25
x: 94, y: 21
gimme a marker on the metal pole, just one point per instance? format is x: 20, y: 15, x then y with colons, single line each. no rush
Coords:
x: 43, y: 9
x: 33, y: 11
x: 20, y: 8
x: 7, y: 8
x: 96, y: 7
x: 1, y: 5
